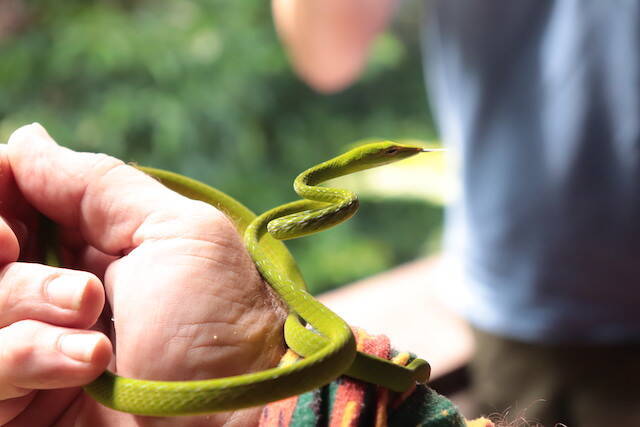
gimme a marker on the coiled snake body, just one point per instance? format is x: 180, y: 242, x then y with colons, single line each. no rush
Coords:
x: 329, y: 349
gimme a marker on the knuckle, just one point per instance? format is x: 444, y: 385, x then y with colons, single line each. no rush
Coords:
x: 18, y: 350
x: 21, y: 134
x: 104, y: 163
x: 19, y: 283
x: 103, y: 166
x: 190, y: 219
x: 10, y: 287
x: 33, y: 131
x: 18, y: 343
x: 206, y: 217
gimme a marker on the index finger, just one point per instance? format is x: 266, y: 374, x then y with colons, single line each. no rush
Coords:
x: 16, y: 216
x: 115, y: 206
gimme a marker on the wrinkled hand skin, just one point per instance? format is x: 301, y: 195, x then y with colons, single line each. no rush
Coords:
x: 163, y: 284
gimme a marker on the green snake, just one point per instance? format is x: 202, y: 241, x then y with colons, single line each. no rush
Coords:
x: 329, y: 348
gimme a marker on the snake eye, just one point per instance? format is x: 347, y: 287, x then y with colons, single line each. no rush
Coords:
x: 391, y: 151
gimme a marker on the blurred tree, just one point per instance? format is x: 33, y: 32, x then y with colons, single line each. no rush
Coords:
x: 203, y: 88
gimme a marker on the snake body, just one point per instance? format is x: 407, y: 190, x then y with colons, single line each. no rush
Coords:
x: 329, y: 350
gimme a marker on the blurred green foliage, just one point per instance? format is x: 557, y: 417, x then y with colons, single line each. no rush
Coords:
x: 203, y: 88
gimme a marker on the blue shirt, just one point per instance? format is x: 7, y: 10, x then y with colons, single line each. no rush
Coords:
x: 541, y: 100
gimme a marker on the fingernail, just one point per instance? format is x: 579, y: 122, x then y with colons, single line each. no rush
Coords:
x: 79, y: 346
x: 67, y: 291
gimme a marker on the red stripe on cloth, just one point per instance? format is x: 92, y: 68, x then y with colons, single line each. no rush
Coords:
x: 279, y: 414
x: 349, y: 402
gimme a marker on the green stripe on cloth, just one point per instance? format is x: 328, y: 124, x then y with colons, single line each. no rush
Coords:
x: 347, y: 402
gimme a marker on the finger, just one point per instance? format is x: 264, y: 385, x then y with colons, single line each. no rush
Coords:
x: 9, y: 244
x: 36, y: 355
x: 57, y: 407
x: 10, y: 408
x: 91, y: 259
x: 53, y: 295
x: 12, y: 232
x: 14, y: 205
x: 75, y: 253
x: 16, y: 213
x: 107, y: 200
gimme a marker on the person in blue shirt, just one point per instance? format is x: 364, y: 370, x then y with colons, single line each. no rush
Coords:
x: 541, y: 100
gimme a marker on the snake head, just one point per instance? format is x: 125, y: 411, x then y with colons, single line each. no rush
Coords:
x: 379, y: 153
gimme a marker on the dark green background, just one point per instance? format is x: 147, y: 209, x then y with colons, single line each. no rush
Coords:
x: 203, y: 88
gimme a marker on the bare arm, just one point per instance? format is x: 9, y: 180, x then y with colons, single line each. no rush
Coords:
x: 328, y: 40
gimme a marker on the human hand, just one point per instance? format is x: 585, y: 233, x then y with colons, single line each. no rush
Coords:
x: 184, y: 300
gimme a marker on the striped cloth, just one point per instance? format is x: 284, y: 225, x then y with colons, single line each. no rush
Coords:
x: 347, y: 402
